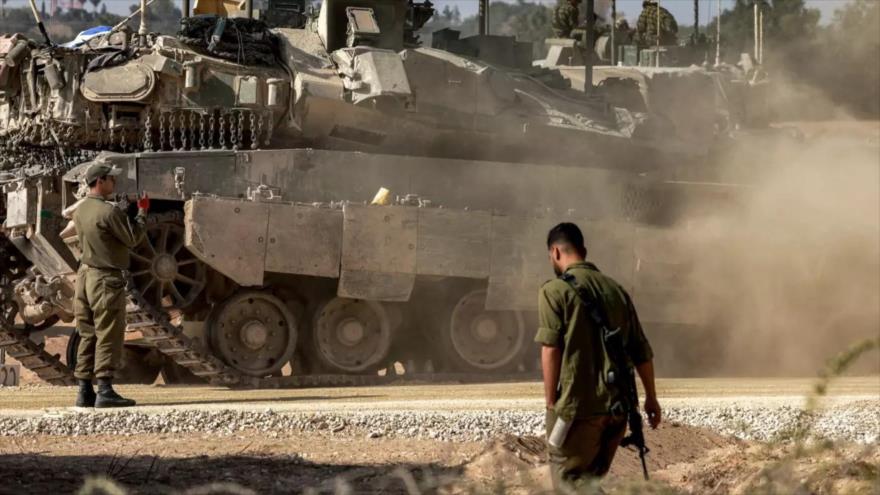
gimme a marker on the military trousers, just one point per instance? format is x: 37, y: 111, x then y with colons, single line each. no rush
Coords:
x: 587, y: 451
x: 99, y: 306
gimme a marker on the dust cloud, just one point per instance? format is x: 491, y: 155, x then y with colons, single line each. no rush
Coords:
x: 791, y: 275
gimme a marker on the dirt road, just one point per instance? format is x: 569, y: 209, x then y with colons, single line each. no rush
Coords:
x: 524, y: 396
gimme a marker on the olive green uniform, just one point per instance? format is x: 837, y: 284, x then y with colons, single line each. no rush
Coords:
x: 565, y: 19
x: 105, y: 235
x: 585, y: 398
x: 646, y: 27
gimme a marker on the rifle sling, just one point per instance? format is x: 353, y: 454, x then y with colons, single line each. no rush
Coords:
x: 613, y: 343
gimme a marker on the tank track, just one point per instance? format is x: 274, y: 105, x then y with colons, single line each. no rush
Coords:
x: 16, y: 342
x: 169, y: 339
x: 33, y: 357
x: 157, y: 328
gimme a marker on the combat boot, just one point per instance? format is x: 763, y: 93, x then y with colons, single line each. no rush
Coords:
x: 107, y: 397
x: 86, y: 396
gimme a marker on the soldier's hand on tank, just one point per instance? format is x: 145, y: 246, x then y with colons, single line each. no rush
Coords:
x: 143, y: 204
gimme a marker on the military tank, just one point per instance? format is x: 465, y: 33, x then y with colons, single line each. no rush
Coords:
x: 352, y: 78
x: 264, y: 262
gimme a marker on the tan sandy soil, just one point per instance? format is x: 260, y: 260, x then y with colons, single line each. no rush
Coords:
x: 294, y: 461
x: 682, y: 460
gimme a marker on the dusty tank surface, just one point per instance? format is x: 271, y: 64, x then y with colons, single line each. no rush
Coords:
x: 351, y: 78
x: 265, y: 263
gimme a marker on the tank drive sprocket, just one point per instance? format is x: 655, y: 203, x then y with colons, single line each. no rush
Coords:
x: 166, y: 273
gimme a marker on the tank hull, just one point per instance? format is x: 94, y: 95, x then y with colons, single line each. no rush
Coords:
x: 445, y: 264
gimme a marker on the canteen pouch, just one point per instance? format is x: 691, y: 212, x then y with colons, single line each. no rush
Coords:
x: 559, y: 432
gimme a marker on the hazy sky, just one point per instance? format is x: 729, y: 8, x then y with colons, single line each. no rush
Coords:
x: 682, y: 9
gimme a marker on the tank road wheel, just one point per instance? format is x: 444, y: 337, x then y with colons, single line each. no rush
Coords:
x: 165, y: 272
x: 254, y: 332
x: 482, y: 339
x: 351, y: 335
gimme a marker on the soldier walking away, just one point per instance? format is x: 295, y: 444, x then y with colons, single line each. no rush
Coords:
x: 591, y: 339
x: 106, y: 234
x: 565, y: 18
x: 646, y: 27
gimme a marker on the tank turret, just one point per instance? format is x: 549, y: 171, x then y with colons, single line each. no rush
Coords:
x: 352, y: 77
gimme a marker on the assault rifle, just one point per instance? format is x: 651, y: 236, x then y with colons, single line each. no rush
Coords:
x: 636, y: 438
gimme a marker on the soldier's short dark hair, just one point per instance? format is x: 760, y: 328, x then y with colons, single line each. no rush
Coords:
x: 567, y: 233
x: 95, y: 182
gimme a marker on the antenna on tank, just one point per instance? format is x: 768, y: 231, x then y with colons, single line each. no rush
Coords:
x: 142, y: 30
x: 718, y: 36
x: 761, y: 37
x: 657, y: 61
x: 123, y: 22
x: 613, y: 32
x: 696, y: 19
x: 40, y: 24
x: 755, y: 30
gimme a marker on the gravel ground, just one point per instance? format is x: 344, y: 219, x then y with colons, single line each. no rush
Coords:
x: 855, y: 421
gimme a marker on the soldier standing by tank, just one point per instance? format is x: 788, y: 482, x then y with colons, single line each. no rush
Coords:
x: 586, y: 406
x: 646, y: 27
x: 106, y: 235
x: 565, y: 18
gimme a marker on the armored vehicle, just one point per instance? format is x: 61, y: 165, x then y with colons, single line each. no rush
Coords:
x: 710, y: 105
x: 264, y: 264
